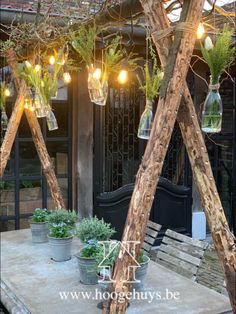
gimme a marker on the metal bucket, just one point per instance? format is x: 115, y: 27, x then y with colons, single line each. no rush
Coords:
x: 39, y: 231
x: 60, y: 248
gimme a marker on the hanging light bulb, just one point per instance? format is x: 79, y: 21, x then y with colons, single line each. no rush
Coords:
x: 37, y: 67
x: 123, y: 77
x: 7, y: 92
x: 27, y: 103
x: 4, y: 120
x: 52, y: 60
x: 32, y: 107
x: 51, y: 121
x: 67, y: 77
x: 28, y: 64
x: 200, y: 31
x: 97, y: 74
x: 146, y: 120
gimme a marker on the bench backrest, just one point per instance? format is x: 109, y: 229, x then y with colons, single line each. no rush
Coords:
x: 181, y: 253
x: 150, y: 235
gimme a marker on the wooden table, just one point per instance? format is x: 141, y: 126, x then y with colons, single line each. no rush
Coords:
x: 31, y: 283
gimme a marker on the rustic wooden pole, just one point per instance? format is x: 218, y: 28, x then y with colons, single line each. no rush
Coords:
x: 152, y: 163
x: 15, y: 116
x: 224, y: 240
x: 12, y: 129
x: 36, y: 134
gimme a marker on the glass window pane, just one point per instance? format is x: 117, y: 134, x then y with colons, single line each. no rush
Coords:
x: 58, y: 152
x: 7, y: 225
x: 63, y: 183
x: 10, y: 168
x: 7, y: 198
x: 30, y: 195
x: 24, y: 129
x: 29, y: 161
x: 62, y: 93
x: 61, y: 113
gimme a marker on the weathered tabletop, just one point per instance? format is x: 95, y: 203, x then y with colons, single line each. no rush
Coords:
x: 31, y: 283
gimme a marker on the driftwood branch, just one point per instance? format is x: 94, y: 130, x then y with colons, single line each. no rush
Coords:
x: 152, y: 162
x: 223, y: 239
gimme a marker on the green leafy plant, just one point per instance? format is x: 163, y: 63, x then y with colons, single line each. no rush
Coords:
x: 58, y: 216
x: 5, y: 185
x: 43, y: 80
x: 94, y: 229
x: 107, y: 254
x: 141, y: 259
x: 2, y: 96
x: 40, y: 215
x: 83, y: 42
x: 26, y: 184
x: 115, y: 57
x: 153, y: 78
x: 59, y: 230
x: 219, y: 55
x: 90, y: 249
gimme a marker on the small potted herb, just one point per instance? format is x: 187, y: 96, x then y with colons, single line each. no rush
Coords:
x: 87, y: 262
x: 60, y: 240
x: 39, y: 226
x: 62, y: 215
x: 61, y: 223
x: 90, y: 231
x: 106, y: 258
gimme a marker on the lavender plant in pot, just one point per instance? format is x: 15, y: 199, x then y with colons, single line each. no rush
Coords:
x: 90, y: 231
x: 39, y: 226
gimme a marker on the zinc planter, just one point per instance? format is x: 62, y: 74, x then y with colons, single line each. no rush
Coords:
x: 87, y: 270
x: 141, y: 273
x: 39, y: 231
x: 60, y: 248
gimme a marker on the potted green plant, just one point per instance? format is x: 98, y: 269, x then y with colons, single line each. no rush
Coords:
x: 66, y: 216
x: 87, y: 262
x: 105, y: 259
x: 90, y: 231
x: 60, y: 240
x: 39, y: 226
x: 61, y: 223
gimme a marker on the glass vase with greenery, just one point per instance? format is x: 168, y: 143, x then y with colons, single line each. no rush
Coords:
x: 150, y: 88
x: 218, y: 56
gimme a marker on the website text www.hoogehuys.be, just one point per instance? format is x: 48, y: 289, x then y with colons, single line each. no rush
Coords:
x: 97, y: 294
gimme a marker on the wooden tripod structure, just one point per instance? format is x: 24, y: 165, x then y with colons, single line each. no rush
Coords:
x: 174, y: 102
x: 36, y: 134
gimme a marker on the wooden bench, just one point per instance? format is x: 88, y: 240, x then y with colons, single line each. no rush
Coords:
x: 181, y: 253
x: 150, y: 235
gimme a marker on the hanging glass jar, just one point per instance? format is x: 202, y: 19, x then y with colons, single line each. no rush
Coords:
x: 41, y: 108
x: 4, y: 120
x: 51, y: 121
x: 97, y: 91
x: 146, y: 120
x: 212, y: 109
